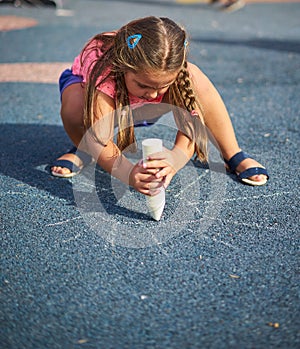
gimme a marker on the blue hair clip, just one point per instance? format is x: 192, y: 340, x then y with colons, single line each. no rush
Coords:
x: 133, y: 40
x: 185, y: 43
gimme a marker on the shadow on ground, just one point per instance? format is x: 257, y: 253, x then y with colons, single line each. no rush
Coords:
x: 27, y: 149
x: 27, y: 152
x: 268, y: 44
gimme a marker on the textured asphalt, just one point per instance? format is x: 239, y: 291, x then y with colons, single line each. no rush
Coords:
x: 83, y: 266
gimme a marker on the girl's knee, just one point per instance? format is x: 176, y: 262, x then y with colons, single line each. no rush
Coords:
x: 72, y: 105
x: 71, y: 116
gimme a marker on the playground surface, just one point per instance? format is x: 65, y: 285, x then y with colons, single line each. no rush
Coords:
x: 82, y: 264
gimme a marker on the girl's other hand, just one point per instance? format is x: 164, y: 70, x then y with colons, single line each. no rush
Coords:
x: 145, y: 180
x: 162, y: 166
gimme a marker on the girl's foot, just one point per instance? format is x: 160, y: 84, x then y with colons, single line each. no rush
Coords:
x: 70, y: 164
x: 247, y: 169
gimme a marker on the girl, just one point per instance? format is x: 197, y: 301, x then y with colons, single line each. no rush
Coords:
x: 116, y: 76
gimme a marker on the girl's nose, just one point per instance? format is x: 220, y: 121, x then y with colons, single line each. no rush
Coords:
x: 152, y: 94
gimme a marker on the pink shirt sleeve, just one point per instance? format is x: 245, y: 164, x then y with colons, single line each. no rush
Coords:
x: 108, y: 86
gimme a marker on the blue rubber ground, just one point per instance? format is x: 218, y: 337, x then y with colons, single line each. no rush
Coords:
x: 217, y: 274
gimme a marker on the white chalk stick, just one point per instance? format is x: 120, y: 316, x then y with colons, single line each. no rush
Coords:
x: 155, y: 203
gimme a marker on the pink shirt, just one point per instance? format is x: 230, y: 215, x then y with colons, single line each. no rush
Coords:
x: 108, y: 86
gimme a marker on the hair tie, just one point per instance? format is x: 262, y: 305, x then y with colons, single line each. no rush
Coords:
x: 133, y: 40
x: 185, y: 43
x: 194, y: 113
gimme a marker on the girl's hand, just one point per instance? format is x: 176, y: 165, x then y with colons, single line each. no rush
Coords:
x: 159, y: 169
x: 144, y: 180
x: 162, y: 166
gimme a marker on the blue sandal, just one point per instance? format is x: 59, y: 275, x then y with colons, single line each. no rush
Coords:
x: 252, y: 171
x: 74, y: 170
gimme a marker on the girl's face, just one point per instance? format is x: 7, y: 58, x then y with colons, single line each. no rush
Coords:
x: 149, y: 86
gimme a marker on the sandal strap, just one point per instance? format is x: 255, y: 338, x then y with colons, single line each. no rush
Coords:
x: 236, y: 160
x: 73, y: 168
x: 73, y: 150
x: 253, y: 171
x: 67, y: 164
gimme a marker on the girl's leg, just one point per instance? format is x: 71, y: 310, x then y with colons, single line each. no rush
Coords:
x: 218, y: 121
x: 72, y: 105
x: 223, y: 133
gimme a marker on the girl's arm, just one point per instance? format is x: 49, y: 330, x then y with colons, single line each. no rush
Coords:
x: 215, y: 114
x: 98, y: 141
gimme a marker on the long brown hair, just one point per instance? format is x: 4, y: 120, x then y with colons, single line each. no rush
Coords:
x: 163, y: 47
